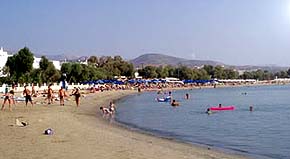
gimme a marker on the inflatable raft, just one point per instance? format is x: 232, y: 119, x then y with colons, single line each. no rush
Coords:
x: 222, y: 108
x: 167, y: 99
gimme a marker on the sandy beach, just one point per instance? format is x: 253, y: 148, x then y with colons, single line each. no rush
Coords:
x: 83, y: 133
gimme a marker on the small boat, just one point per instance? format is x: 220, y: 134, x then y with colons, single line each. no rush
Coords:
x: 222, y: 108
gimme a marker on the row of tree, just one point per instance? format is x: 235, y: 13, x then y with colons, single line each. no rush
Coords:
x: 209, y: 72
x: 19, y: 69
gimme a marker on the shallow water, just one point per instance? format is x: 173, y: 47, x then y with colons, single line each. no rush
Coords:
x: 263, y: 133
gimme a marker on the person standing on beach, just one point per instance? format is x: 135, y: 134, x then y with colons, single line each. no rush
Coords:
x: 49, y: 94
x: 6, y: 98
x: 33, y: 90
x: 27, y: 95
x: 112, y: 107
x: 11, y: 92
x: 77, y: 95
x: 61, y: 94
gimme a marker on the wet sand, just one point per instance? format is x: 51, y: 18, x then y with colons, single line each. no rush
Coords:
x: 84, y: 133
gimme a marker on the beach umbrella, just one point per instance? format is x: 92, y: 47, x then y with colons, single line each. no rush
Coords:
x: 131, y: 81
x: 99, y: 82
x: 118, y: 82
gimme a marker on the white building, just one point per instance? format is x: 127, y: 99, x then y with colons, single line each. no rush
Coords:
x: 36, y: 62
x: 3, y: 59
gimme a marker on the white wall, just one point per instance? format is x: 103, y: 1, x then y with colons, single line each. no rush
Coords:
x: 3, y: 59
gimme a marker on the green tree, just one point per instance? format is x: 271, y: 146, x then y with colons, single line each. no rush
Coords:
x: 209, y: 69
x: 149, y: 72
x: 76, y: 71
x: 203, y: 74
x: 20, y: 64
x: 48, y: 71
x: 44, y: 62
x: 218, y: 72
x: 93, y: 60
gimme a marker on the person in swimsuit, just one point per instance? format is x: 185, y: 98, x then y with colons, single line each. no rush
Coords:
x: 174, y: 103
x: 33, y: 93
x: 208, y: 111
x: 112, y: 107
x: 186, y: 96
x: 27, y: 95
x: 11, y: 92
x: 6, y: 98
x: 106, y: 110
x: 49, y: 94
x: 77, y: 95
x: 61, y: 94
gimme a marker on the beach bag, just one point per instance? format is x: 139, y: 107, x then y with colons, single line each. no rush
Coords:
x: 48, y: 132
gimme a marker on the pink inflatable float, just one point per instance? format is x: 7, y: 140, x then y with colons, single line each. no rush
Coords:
x: 222, y: 108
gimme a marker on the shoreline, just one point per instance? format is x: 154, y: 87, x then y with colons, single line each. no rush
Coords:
x: 203, y: 147
x: 84, y: 133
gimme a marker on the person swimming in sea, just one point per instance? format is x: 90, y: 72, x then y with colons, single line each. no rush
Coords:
x: 174, y: 103
x: 251, y: 108
x: 208, y: 111
x: 186, y: 96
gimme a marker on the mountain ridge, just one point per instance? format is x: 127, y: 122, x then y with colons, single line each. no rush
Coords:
x: 161, y: 60
x: 157, y: 59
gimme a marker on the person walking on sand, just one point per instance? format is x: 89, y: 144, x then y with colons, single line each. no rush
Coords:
x: 77, y: 95
x: 27, y: 95
x: 6, y: 98
x: 49, y: 95
x: 61, y: 94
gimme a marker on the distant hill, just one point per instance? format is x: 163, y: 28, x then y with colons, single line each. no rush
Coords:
x: 162, y: 60
x: 64, y: 57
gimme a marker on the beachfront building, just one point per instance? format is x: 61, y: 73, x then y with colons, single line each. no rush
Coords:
x: 3, y: 59
x: 36, y: 62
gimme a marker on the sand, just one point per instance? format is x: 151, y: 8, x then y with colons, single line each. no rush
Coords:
x: 84, y: 133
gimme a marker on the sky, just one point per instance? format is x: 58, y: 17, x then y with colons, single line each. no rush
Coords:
x: 236, y: 32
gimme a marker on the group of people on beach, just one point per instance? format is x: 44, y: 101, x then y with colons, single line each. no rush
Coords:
x: 9, y: 96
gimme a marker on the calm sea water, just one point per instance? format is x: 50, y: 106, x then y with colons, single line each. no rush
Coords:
x: 263, y: 133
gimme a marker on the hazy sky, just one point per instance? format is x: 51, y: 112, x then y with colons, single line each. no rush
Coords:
x: 231, y: 31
